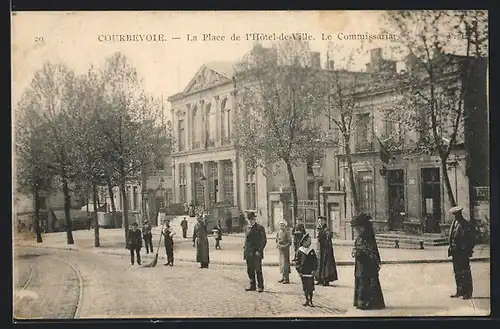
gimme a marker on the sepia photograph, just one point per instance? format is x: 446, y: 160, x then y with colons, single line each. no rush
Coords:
x: 250, y: 164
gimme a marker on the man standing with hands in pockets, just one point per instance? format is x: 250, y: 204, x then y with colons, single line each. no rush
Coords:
x: 255, y: 242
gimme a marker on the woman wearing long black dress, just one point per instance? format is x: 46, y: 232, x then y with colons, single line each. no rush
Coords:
x: 367, y: 290
x: 327, y: 269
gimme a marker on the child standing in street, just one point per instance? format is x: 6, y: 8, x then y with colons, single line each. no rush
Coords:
x: 217, y: 231
x: 306, y: 265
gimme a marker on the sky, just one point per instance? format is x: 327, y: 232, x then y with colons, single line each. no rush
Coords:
x: 166, y: 67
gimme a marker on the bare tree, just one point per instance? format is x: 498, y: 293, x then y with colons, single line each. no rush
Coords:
x: 342, y: 90
x: 444, y: 51
x: 130, y: 123
x: 276, y: 107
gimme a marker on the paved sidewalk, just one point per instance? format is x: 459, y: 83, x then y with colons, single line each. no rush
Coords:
x: 112, y: 242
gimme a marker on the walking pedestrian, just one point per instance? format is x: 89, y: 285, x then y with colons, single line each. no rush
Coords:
x: 135, y: 243
x: 168, y: 234
x: 241, y: 222
x: 184, y: 226
x: 462, y: 241
x: 229, y: 221
x: 147, y: 235
x: 217, y: 231
x: 307, y: 263
x: 253, y: 252
x: 367, y: 290
x: 298, y: 232
x: 200, y: 241
x: 283, y: 243
x: 327, y: 270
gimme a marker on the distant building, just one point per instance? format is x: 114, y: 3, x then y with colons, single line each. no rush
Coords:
x: 405, y: 194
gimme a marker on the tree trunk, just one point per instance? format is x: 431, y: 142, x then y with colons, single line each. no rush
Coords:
x: 293, y: 186
x: 112, y: 200
x: 96, y: 221
x: 123, y: 191
x: 67, y: 214
x: 447, y: 185
x: 37, y: 217
x: 352, y: 181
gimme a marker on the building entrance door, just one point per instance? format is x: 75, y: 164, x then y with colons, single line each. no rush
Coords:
x: 396, y: 193
x: 431, y: 199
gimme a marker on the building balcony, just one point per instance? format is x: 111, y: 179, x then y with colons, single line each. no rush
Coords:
x: 364, y: 147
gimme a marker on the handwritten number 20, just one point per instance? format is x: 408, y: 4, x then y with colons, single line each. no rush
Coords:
x: 38, y: 39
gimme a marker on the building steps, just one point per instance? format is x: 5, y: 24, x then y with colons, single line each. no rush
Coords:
x: 406, y: 241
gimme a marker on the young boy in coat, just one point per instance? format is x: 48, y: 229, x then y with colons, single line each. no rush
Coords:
x: 306, y: 265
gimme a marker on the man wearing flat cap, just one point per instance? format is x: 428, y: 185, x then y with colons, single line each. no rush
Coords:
x: 461, y: 245
x: 253, y: 252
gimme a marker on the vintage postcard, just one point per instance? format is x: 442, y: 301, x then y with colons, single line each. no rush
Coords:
x: 278, y: 164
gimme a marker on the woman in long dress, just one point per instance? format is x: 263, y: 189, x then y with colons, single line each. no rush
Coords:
x: 327, y: 269
x: 367, y: 290
x: 283, y: 243
x: 200, y: 241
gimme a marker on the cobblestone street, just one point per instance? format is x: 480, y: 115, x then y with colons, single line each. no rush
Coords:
x: 111, y: 287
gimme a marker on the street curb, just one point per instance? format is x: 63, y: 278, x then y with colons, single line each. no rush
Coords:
x: 241, y: 263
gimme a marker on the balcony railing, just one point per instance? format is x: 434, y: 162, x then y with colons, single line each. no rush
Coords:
x: 364, y: 147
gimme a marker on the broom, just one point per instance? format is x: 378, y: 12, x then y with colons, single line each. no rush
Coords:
x: 155, y: 260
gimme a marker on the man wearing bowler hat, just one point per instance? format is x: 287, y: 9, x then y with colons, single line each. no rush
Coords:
x: 461, y: 245
x: 255, y: 242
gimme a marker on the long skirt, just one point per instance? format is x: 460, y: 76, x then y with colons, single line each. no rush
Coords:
x: 284, y: 261
x: 202, y: 255
x: 368, y: 293
x: 327, y: 269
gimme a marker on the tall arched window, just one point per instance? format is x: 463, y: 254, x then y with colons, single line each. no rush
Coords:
x: 209, y: 125
x: 194, y: 128
x: 223, y: 120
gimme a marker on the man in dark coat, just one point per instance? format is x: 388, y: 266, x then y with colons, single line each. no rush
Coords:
x: 147, y: 236
x: 184, y: 226
x: 241, y: 222
x: 255, y: 242
x: 461, y: 246
x: 135, y: 243
x: 229, y: 221
x: 200, y: 241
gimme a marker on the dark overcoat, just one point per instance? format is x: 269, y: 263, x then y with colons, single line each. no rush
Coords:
x: 200, y: 238
x: 255, y: 240
x: 135, y: 239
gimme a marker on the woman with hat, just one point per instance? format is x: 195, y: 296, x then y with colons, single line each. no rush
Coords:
x: 367, y: 290
x: 200, y: 241
x: 327, y: 269
x: 283, y: 243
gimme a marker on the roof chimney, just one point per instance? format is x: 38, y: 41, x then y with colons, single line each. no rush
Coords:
x: 315, y: 60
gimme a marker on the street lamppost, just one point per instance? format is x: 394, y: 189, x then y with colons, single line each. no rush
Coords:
x: 316, y: 168
x: 160, y: 189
